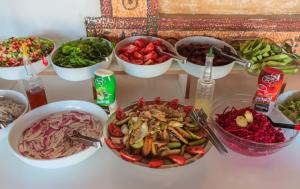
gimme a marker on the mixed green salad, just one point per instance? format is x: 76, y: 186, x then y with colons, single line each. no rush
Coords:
x: 291, y: 109
x: 82, y: 53
x: 11, y: 53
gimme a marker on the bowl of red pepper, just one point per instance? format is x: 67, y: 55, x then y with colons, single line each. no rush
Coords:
x: 245, y: 130
x: 155, y: 134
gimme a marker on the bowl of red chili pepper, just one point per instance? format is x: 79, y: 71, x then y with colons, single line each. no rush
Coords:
x: 245, y: 130
x: 155, y: 134
x: 11, y: 60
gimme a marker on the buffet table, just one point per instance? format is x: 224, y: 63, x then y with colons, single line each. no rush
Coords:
x: 105, y: 170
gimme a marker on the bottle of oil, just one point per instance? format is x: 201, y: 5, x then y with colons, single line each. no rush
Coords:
x: 33, y: 84
x: 206, y: 85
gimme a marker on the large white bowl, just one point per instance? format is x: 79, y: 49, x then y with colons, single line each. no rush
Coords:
x: 18, y: 97
x: 282, y: 99
x: 28, y: 119
x: 143, y: 71
x: 19, y: 72
x: 197, y: 70
x: 80, y: 74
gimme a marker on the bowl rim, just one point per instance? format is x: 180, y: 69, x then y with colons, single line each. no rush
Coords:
x: 213, y: 114
x: 207, y: 147
x: 204, y: 37
x: 83, y: 38
x: 17, y: 153
x: 143, y: 36
x: 48, y: 55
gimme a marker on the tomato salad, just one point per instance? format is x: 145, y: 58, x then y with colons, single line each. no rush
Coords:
x: 157, y: 134
x: 11, y: 53
x: 144, y: 52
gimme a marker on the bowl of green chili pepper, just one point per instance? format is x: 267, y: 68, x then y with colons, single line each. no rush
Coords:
x: 78, y: 60
x: 265, y: 52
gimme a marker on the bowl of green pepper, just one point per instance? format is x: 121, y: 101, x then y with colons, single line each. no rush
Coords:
x: 263, y: 52
x: 78, y: 60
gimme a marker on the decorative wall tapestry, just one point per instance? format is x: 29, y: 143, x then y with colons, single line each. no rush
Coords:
x: 122, y: 18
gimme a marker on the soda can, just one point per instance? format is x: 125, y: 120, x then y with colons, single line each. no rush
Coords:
x: 269, y: 84
x: 105, y: 88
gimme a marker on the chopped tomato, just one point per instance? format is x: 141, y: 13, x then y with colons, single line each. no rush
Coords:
x: 151, y: 55
x: 195, y: 150
x: 187, y: 109
x: 141, y: 102
x: 155, y: 163
x: 157, y: 42
x: 140, y: 42
x: 137, y: 61
x: 163, y: 58
x: 157, y: 100
x: 131, y: 158
x: 113, y: 146
x: 150, y: 47
x: 120, y: 114
x: 138, y: 55
x: 174, y: 103
x: 180, y: 160
x: 150, y: 61
x: 114, y: 130
x: 132, y: 48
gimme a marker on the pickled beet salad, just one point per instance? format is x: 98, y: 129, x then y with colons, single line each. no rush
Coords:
x: 249, y: 124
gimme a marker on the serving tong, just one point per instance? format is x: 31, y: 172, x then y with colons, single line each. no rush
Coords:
x: 200, y: 118
x: 161, y: 51
x: 227, y: 53
x: 88, y: 141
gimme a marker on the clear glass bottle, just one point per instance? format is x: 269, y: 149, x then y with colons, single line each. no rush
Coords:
x: 33, y: 84
x: 206, y: 86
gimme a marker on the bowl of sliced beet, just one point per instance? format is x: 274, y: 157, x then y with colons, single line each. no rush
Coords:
x: 155, y: 134
x: 141, y: 56
x: 245, y: 130
x: 195, y: 50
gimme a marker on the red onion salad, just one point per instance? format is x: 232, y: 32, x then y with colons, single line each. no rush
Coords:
x: 46, y: 138
x: 249, y: 124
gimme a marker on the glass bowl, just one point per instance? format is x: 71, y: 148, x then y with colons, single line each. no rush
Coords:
x: 240, y: 145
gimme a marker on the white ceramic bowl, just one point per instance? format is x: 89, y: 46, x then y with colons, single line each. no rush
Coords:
x: 80, y: 74
x: 18, y: 97
x: 19, y: 72
x: 282, y: 99
x: 143, y: 71
x: 197, y: 70
x: 28, y: 119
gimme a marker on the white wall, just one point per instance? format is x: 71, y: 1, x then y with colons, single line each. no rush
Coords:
x: 56, y: 19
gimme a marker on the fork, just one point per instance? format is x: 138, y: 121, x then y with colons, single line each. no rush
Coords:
x: 201, y: 119
x: 89, y: 141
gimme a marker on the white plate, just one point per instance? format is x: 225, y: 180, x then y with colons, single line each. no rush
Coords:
x: 28, y: 119
x: 80, y: 74
x: 18, y: 97
x: 143, y: 71
x: 197, y: 70
x: 19, y: 72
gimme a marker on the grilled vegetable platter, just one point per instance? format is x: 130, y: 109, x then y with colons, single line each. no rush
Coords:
x: 264, y: 52
x: 156, y: 134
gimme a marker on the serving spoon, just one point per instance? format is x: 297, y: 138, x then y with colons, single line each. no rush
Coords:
x: 88, y: 141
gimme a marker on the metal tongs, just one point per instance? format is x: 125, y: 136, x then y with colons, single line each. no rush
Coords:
x: 88, y: 141
x: 227, y: 53
x: 200, y: 117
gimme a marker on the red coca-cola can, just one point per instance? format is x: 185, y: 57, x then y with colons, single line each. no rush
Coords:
x: 269, y: 83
